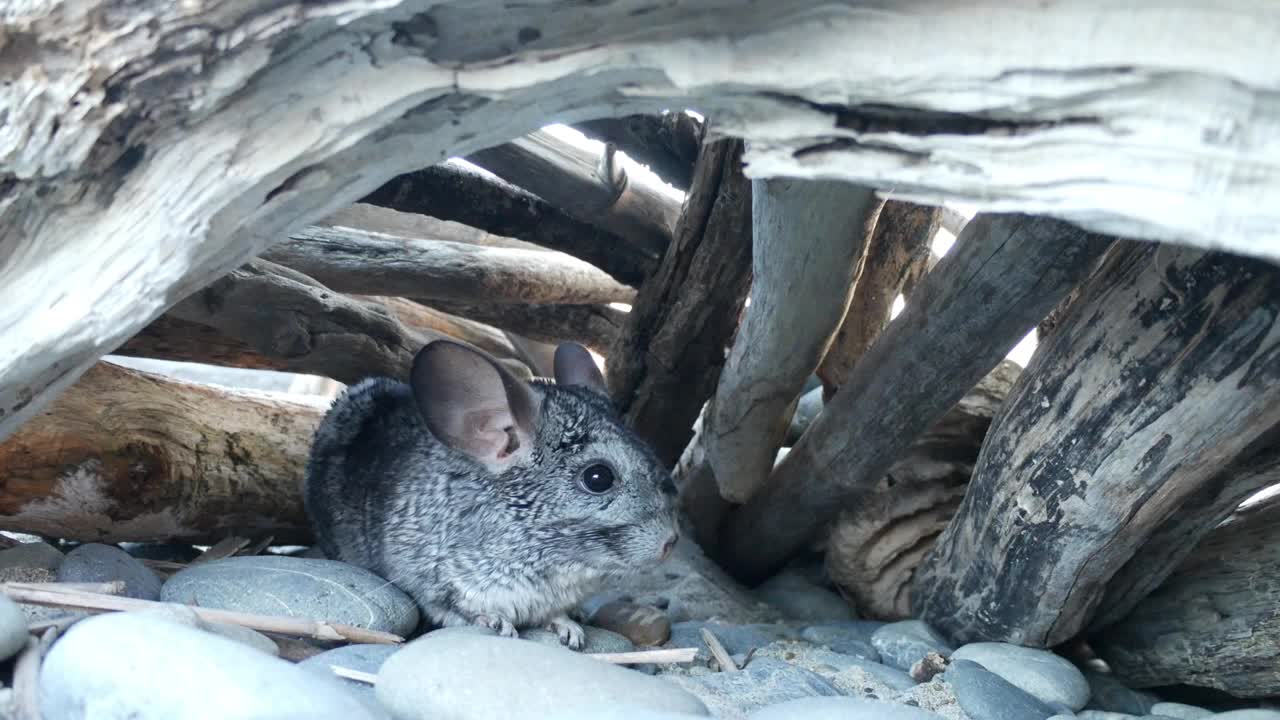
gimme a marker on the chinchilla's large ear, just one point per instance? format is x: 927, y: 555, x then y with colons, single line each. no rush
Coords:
x: 575, y: 366
x: 474, y: 404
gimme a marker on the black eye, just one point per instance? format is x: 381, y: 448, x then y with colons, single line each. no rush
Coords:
x: 597, y: 478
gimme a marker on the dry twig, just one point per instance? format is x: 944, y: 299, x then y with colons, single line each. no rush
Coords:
x: 719, y: 652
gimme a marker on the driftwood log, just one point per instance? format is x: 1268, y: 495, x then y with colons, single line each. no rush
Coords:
x: 354, y: 261
x: 667, y: 143
x: 595, y: 326
x: 1161, y: 372
x: 130, y: 456
x: 592, y: 187
x: 152, y: 147
x: 170, y: 338
x: 667, y: 361
x: 896, y: 256
x: 1003, y: 275
x: 388, y: 221
x: 876, y: 545
x: 1215, y: 622
x: 807, y: 244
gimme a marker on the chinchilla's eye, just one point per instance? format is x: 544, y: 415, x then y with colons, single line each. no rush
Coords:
x: 597, y: 478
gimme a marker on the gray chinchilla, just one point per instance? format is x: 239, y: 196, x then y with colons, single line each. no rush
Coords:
x: 491, y: 500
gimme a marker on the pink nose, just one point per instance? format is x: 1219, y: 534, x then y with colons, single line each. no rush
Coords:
x: 669, y: 545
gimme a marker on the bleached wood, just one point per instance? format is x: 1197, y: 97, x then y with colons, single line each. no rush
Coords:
x: 808, y: 239
x: 152, y: 147
x: 595, y: 326
x: 129, y: 456
x: 356, y: 261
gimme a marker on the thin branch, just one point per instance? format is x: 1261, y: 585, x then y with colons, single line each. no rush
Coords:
x: 718, y: 651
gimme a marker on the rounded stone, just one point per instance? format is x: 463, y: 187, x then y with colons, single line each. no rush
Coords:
x: 184, y: 615
x: 1254, y: 714
x: 13, y: 628
x: 295, y: 587
x: 763, y: 682
x: 98, y: 563
x: 983, y: 695
x: 465, y: 675
x: 643, y: 625
x: 799, y: 599
x: 902, y: 644
x: 1108, y: 693
x: 366, y: 658
x: 599, y: 640
x: 1042, y: 674
x: 850, y: 638
x: 26, y: 557
x: 841, y: 708
x: 1180, y: 711
x: 124, y: 666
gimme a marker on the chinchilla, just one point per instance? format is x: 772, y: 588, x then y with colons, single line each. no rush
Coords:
x: 492, y: 501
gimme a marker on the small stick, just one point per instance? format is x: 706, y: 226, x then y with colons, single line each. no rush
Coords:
x: 664, y: 655
x: 357, y: 675
x: 258, y: 547
x: 94, y: 602
x: 722, y: 656
x: 224, y: 548
x: 26, y: 676
x: 114, y: 587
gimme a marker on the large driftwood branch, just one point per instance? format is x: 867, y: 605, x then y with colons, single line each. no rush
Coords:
x: 897, y: 255
x: 667, y: 143
x: 432, y: 323
x: 877, y: 543
x: 170, y: 338
x: 130, y: 456
x: 453, y: 191
x: 1003, y: 275
x: 1215, y: 622
x: 667, y: 361
x: 592, y: 187
x: 1165, y: 368
x: 595, y: 326
x: 385, y: 220
x: 139, y: 166
x: 355, y: 261
x: 807, y: 242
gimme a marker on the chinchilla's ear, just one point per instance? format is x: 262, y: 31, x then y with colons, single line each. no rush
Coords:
x: 575, y: 366
x: 474, y: 404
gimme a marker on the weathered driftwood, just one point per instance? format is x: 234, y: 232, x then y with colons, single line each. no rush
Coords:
x: 667, y: 361
x: 1163, y: 370
x: 1003, y: 275
x: 356, y: 261
x: 667, y: 143
x: 807, y: 244
x: 432, y: 323
x: 140, y: 166
x: 1215, y: 622
x: 593, y: 187
x: 128, y: 456
x: 171, y: 338
x: 385, y: 220
x: 876, y: 545
x: 1175, y: 538
x: 456, y: 192
x: 595, y: 326
x: 897, y: 255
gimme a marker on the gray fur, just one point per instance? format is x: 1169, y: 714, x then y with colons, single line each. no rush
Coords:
x: 514, y: 548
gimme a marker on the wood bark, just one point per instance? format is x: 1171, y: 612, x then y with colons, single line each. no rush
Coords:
x: 152, y: 147
x: 170, y: 338
x: 432, y: 323
x: 593, y: 187
x: 354, y: 261
x: 459, y: 193
x: 876, y: 545
x: 897, y: 255
x: 1176, y: 538
x: 595, y: 326
x: 807, y: 240
x: 667, y: 360
x: 385, y: 220
x: 130, y: 456
x: 1003, y: 275
x: 667, y: 143
x: 1215, y: 622
x: 1163, y: 370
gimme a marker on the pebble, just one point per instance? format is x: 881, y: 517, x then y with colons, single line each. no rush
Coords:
x: 763, y: 682
x: 799, y: 599
x: 184, y: 615
x: 28, y: 556
x: 736, y: 639
x: 1108, y: 693
x: 986, y: 696
x: 98, y: 563
x: 174, y: 671
x: 1248, y: 715
x: 1180, y: 711
x: 362, y: 657
x: 599, y: 640
x: 468, y: 675
x: 13, y: 628
x: 846, y: 672
x: 852, y: 637
x: 843, y: 708
x: 903, y: 643
x: 1042, y: 674
x: 295, y: 587
x: 807, y: 409
x: 644, y: 625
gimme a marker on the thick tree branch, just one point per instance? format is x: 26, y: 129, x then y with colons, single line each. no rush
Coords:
x: 667, y: 143
x: 595, y: 326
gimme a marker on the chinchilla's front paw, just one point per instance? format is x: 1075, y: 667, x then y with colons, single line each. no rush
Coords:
x: 570, y: 633
x: 498, y: 624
